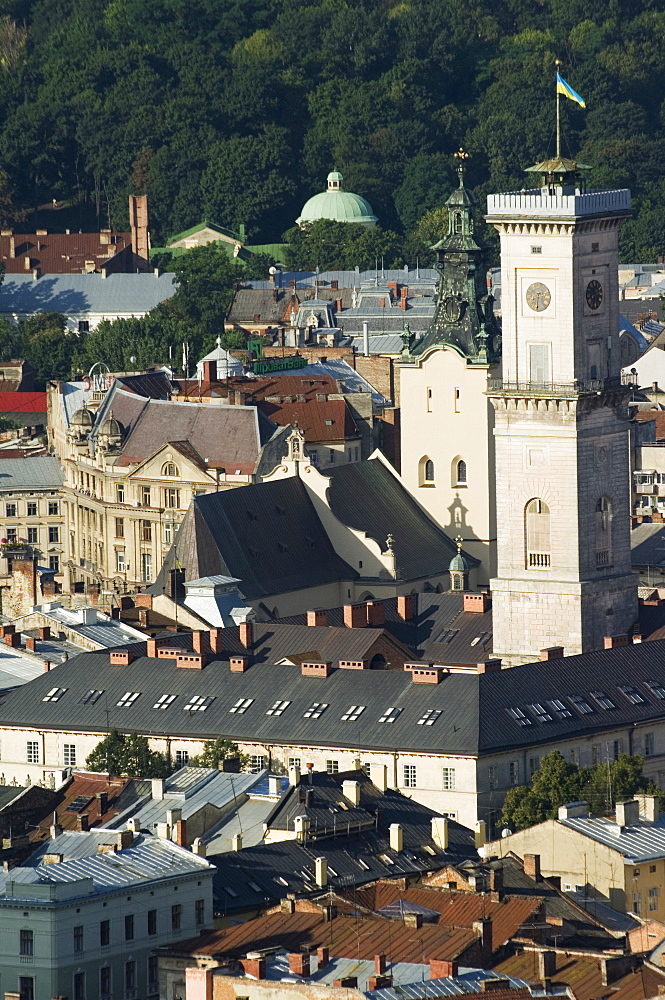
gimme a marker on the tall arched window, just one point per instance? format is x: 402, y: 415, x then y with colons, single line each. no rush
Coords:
x: 170, y: 469
x: 426, y: 472
x: 603, y: 533
x: 537, y: 531
x: 461, y: 472
x: 458, y: 222
x: 429, y: 471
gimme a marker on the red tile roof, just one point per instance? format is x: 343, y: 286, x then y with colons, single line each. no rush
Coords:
x: 86, y: 785
x: 321, y: 421
x: 60, y: 253
x: 22, y: 402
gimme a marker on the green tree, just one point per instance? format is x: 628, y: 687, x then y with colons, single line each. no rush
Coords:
x: 48, y: 345
x: 128, y: 755
x: 341, y: 245
x: 217, y: 750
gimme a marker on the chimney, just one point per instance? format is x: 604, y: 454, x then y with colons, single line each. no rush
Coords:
x: 379, y: 776
x: 440, y: 968
x: 613, y: 641
x: 238, y: 664
x: 12, y: 247
x: 236, y: 842
x: 274, y: 784
x: 200, y: 641
x: 355, y: 615
x: 476, y: 603
x: 209, y: 372
x: 47, y: 666
x: 546, y: 965
x: 484, y: 929
x: 348, y: 983
x: 151, y: 648
x: 571, y: 809
x: 44, y: 632
x: 301, y: 827
x: 322, y: 957
x: 380, y: 964
x: 287, y: 904
x: 406, y: 606
x: 157, y: 789
x: 440, y: 832
x: 246, y: 632
x: 102, y: 802
x: 403, y: 298
x: 649, y: 807
x: 124, y: 839
x: 532, y: 866
x: 351, y: 791
x: 82, y: 822
x: 379, y: 983
x: 489, y: 665
x: 299, y: 963
x: 317, y: 617
x: 215, y: 639
x: 321, y: 872
x: 551, y: 653
x: 144, y: 617
x: 294, y: 776
x: 627, y: 813
x: 254, y: 965
x: 376, y: 616
x: 496, y: 879
x: 138, y: 220
x: 396, y: 837
x: 55, y: 829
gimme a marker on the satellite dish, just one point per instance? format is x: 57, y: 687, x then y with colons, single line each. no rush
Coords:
x: 506, y: 832
x: 272, y: 270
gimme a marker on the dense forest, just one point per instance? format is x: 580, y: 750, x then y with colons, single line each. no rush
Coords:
x: 235, y: 110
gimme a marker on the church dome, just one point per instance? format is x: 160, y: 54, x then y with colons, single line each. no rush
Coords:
x: 111, y: 428
x: 458, y: 564
x: 83, y: 418
x: 337, y: 205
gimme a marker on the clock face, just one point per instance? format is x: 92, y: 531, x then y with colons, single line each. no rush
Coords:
x: 538, y: 296
x: 451, y: 309
x: 594, y: 294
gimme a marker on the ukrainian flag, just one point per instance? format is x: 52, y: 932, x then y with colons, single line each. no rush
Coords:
x: 564, y: 88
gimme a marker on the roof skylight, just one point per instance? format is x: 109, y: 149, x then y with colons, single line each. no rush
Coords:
x: 562, y: 711
x: 603, y: 700
x: 429, y: 717
x: 448, y: 635
x: 540, y: 712
x: 197, y: 703
x: 165, y: 700
x: 633, y: 696
x: 316, y: 709
x: 55, y: 694
x: 128, y: 698
x: 278, y: 707
x: 518, y: 716
x: 91, y: 697
x: 582, y: 706
x: 655, y: 688
x: 353, y: 712
x: 388, y: 716
x: 241, y: 706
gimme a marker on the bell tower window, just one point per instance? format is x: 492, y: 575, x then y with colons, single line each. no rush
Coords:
x: 603, y: 533
x: 537, y: 531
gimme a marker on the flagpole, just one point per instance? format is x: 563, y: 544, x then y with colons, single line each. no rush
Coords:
x: 557, y: 63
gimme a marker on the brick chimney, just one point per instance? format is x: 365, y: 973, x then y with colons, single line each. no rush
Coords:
x: 254, y: 964
x: 200, y: 641
x: 215, y: 638
x: 355, y: 615
x: 238, y: 664
x: 484, y: 929
x: 299, y: 963
x: 613, y: 641
x: 380, y: 964
x: 82, y: 822
x: 246, y: 630
x: 322, y: 956
x: 144, y: 617
x: 440, y: 968
x: 181, y: 833
x: 551, y: 653
x: 102, y: 802
x: 489, y: 665
x: 376, y: 616
x: 406, y: 606
x: 532, y: 866
x: 546, y: 965
x: 151, y: 648
x: 477, y: 603
x: 138, y: 220
x: 209, y: 372
x: 317, y: 617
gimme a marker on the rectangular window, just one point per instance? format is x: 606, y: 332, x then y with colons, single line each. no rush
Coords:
x: 171, y: 497
x: 10, y: 509
x: 153, y: 975
x: 182, y: 758
x: 539, y: 364
x: 84, y: 326
x: 256, y: 763
x: 145, y: 496
x: 428, y: 397
x: 514, y: 769
x: 315, y: 710
x: 534, y: 764
x: 449, y: 779
x: 54, y: 563
x: 130, y: 975
x: 653, y: 898
x: 90, y: 697
x: 536, y: 249
x: 637, y: 903
x: 574, y: 757
x: 53, y: 533
x: 197, y: 703
x: 11, y: 535
x: 390, y: 715
x: 168, y: 532
x: 33, y: 535
x: 648, y: 744
x: 26, y: 987
x: 146, y: 567
x: 32, y: 752
x: 120, y: 492
x: 105, y: 980
x: 278, y: 707
x: 79, y: 986
x: 353, y: 713
x: 53, y: 507
x: 332, y: 766
x: 31, y: 509
x: 313, y: 456
x: 26, y: 942
x: 69, y: 754
x: 410, y: 776
x: 491, y: 776
x: 119, y: 527
x: 78, y: 937
x: 617, y: 748
x: 596, y: 753
x: 176, y: 916
x: 129, y: 927
x: 200, y: 911
x: 120, y: 561
x: 295, y: 761
x: 146, y: 531
x: 595, y: 247
x: 152, y: 922
x: 104, y: 933
x: 128, y: 698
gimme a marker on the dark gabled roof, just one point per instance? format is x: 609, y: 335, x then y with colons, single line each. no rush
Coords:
x: 369, y: 498
x: 329, y: 811
x: 267, y: 535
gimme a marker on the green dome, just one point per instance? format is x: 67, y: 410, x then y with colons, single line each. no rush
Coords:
x: 458, y: 564
x: 337, y: 205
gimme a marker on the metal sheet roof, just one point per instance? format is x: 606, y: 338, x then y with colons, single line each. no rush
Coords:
x: 78, y: 294
x: 41, y: 472
x: 642, y: 842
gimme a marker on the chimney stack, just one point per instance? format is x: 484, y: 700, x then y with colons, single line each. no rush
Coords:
x: 299, y: 963
x: 246, y: 632
x: 406, y: 606
x: 396, y: 837
x: 532, y: 866
x: 321, y: 872
x: 317, y: 617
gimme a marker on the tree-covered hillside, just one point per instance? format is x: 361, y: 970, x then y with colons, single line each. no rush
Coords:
x: 235, y: 110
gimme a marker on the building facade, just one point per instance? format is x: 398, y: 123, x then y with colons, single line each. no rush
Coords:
x: 561, y: 421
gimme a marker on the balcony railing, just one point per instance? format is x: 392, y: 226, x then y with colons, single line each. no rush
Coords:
x: 568, y: 389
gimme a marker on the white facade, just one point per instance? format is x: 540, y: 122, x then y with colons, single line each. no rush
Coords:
x: 562, y: 440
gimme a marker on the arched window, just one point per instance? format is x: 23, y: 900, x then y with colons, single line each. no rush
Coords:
x: 426, y: 472
x: 461, y: 472
x: 170, y: 469
x: 458, y: 222
x: 603, y: 533
x: 429, y: 471
x: 537, y: 530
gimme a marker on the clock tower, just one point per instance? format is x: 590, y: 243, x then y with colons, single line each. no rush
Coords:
x: 561, y: 422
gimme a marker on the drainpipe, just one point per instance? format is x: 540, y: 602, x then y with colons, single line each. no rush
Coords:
x: 366, y: 339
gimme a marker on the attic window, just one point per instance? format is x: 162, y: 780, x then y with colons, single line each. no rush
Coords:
x: 255, y: 887
x: 353, y: 713
x: 655, y: 688
x: 633, y: 696
x: 390, y: 715
x: 518, y: 716
x: 329, y: 423
x: 197, y: 703
x: 278, y: 707
x: 241, y: 706
x: 91, y: 697
x: 540, y: 713
x: 562, y: 711
x: 55, y: 694
x: 316, y: 709
x: 582, y: 706
x: 448, y: 635
x: 430, y: 717
x: 483, y: 639
x: 165, y: 700
x: 603, y: 700
x: 229, y: 891
x: 281, y: 881
x: 128, y: 698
